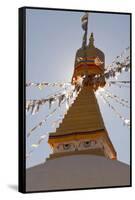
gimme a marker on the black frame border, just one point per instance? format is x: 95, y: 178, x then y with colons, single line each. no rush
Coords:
x: 21, y: 103
x: 22, y: 97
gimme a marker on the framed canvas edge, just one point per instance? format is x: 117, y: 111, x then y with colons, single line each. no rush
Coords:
x: 22, y: 94
x: 22, y: 97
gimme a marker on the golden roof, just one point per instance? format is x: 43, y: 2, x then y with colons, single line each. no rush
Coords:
x: 90, y: 51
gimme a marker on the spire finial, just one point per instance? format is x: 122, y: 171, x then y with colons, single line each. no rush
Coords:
x: 84, y: 20
x: 91, y: 40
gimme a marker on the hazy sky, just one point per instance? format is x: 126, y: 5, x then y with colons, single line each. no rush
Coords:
x: 52, y: 40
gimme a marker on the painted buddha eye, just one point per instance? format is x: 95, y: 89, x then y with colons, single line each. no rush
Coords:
x: 66, y: 146
x: 87, y: 144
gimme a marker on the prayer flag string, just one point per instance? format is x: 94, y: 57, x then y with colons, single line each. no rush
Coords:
x: 66, y: 99
x: 118, y: 85
x: 43, y: 84
x: 119, y: 100
x: 33, y: 105
x: 125, y: 120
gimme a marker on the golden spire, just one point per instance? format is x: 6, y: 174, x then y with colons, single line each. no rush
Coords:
x: 82, y: 130
x: 91, y: 40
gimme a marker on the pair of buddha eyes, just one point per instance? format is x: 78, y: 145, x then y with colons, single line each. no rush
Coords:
x: 85, y: 144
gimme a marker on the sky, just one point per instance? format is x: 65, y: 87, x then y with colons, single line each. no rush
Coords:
x: 52, y: 39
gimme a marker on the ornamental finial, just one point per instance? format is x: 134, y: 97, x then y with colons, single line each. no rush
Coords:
x: 91, y: 40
